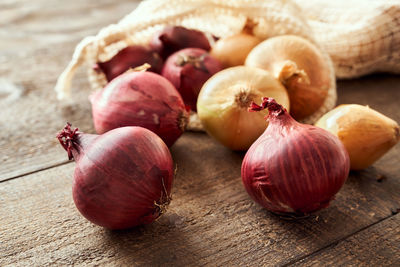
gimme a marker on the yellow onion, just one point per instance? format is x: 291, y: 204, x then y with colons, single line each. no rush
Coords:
x: 224, y: 99
x: 366, y: 134
x: 232, y: 50
x: 300, y: 66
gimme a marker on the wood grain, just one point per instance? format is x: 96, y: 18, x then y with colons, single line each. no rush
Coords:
x: 211, y: 220
x: 379, y: 245
x: 37, y: 41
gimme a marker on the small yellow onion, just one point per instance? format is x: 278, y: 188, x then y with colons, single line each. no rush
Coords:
x: 366, y: 134
x: 223, y: 103
x: 300, y: 66
x: 232, y: 50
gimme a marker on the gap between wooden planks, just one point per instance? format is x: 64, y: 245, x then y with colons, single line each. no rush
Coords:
x: 377, y: 245
x: 211, y: 219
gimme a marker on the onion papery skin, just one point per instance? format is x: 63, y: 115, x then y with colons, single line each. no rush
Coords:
x: 188, y: 69
x: 224, y: 99
x: 174, y: 38
x: 141, y: 99
x: 294, y: 168
x: 300, y: 66
x: 122, y: 178
x: 130, y: 57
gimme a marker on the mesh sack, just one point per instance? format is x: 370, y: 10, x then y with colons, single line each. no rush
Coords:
x: 218, y: 17
x: 361, y: 37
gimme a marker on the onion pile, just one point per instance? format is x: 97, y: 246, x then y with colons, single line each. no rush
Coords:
x: 141, y: 99
x: 122, y: 178
x: 148, y: 100
x: 293, y: 167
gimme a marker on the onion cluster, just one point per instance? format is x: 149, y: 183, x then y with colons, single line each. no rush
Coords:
x: 123, y: 176
x: 148, y: 99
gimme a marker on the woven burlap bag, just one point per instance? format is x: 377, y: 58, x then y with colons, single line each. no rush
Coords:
x: 224, y: 18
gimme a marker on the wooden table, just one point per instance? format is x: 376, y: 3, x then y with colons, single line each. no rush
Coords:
x: 211, y: 220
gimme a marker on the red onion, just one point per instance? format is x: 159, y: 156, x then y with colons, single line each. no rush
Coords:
x: 130, y: 57
x: 141, y: 99
x: 174, y: 38
x: 188, y: 69
x: 293, y: 167
x: 122, y: 178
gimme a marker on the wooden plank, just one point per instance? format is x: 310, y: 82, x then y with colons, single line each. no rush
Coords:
x: 211, y: 219
x: 379, y: 245
x: 30, y: 120
x: 43, y: 24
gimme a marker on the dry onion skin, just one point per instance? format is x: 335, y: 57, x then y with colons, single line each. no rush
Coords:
x: 366, y: 134
x: 224, y: 99
x: 300, y: 66
x: 232, y: 50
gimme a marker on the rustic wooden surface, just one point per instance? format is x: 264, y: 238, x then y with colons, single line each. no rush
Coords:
x: 37, y: 39
x: 211, y: 220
